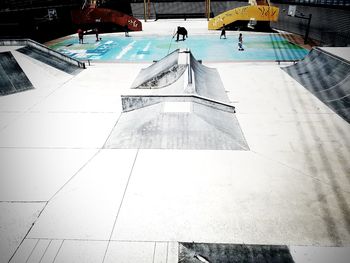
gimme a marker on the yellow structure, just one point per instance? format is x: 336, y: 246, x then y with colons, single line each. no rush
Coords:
x: 253, y: 12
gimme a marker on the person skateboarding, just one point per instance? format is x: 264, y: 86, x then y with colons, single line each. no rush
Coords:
x: 181, y: 31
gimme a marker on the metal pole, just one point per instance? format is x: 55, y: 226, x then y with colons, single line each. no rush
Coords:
x: 208, y: 10
x: 307, y: 29
x: 144, y: 10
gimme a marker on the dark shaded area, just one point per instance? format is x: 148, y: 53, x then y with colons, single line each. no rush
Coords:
x: 12, y: 77
x: 34, y: 19
x: 50, y: 60
x: 320, y: 3
x: 181, y: 16
x: 120, y: 5
x: 327, y: 77
x: 233, y: 253
x: 329, y: 24
x: 35, y: 24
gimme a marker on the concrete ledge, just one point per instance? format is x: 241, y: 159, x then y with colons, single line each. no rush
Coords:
x: 134, y: 102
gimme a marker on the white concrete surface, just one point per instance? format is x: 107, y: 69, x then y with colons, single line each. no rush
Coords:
x: 8, y: 48
x: 24, y: 251
x: 291, y: 188
x: 320, y: 254
x: 342, y: 52
x: 59, y: 130
x: 90, y: 200
x: 125, y: 252
x: 15, y: 222
x: 73, y: 251
x: 185, y: 203
x: 25, y: 177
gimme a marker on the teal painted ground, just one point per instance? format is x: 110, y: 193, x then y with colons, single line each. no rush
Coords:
x: 257, y: 47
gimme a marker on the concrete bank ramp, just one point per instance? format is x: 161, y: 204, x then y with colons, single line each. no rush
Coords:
x: 327, y: 77
x: 207, y: 81
x: 50, y: 60
x: 192, y: 111
x: 160, y: 74
x: 12, y: 77
x: 176, y: 77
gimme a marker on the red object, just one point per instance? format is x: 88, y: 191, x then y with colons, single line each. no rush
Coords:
x: 93, y: 15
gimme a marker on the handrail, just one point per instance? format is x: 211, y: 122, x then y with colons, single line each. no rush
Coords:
x: 43, y: 48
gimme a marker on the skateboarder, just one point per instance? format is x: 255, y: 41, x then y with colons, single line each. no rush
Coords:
x: 181, y: 31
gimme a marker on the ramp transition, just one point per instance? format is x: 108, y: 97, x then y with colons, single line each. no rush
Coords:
x: 12, y: 77
x: 327, y: 77
x: 186, y: 111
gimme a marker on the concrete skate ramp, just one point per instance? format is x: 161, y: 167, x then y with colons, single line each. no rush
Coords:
x: 177, y: 125
x: 192, y: 112
x: 327, y: 77
x: 12, y: 77
x: 198, y: 80
x: 50, y: 60
x: 160, y: 74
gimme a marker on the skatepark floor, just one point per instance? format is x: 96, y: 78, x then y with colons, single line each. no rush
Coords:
x: 65, y: 198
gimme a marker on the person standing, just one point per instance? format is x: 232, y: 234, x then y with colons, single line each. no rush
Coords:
x: 96, y: 33
x: 126, y: 30
x: 81, y: 36
x: 223, y: 32
x: 240, y: 42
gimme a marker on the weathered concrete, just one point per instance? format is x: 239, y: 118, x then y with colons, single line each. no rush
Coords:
x: 327, y: 77
x: 233, y: 253
x: 134, y: 102
x: 201, y: 127
x: 160, y: 74
x: 12, y: 77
